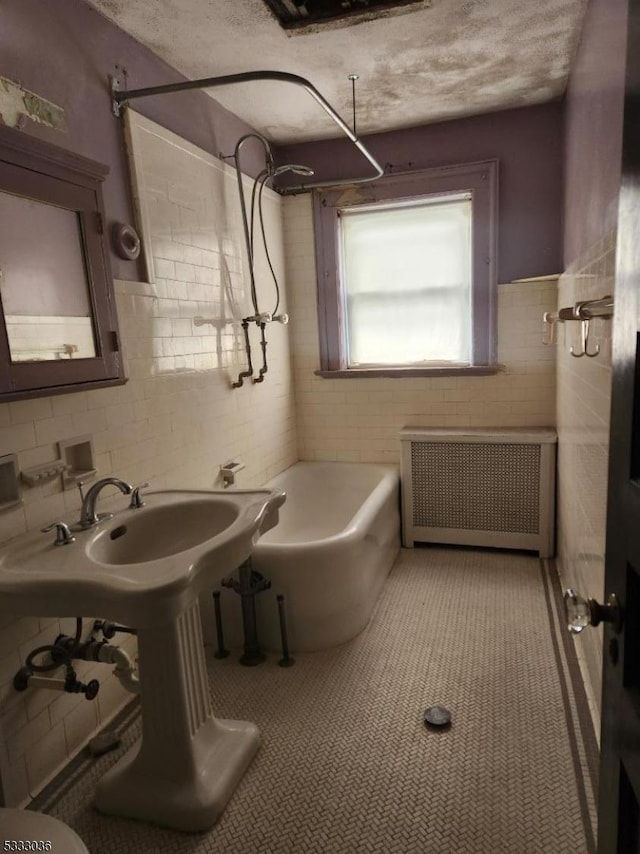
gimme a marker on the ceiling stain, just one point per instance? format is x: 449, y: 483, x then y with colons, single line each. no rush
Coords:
x: 454, y: 59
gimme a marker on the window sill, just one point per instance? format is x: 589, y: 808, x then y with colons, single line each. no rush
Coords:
x: 453, y: 371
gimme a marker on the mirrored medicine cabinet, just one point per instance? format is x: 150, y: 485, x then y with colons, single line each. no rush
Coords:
x: 58, y: 324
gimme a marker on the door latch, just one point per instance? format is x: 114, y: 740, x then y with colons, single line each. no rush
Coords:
x: 581, y: 612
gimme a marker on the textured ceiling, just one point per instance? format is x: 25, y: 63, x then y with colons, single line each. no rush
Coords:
x: 456, y: 58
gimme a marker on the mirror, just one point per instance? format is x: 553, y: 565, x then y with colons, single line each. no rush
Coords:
x: 43, y: 282
x: 58, y: 325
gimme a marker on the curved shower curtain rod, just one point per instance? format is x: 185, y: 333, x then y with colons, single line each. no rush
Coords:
x: 122, y: 97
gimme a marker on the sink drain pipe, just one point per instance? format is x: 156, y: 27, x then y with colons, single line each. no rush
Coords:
x: 220, y: 652
x: 248, y: 583
x: 286, y: 660
x: 105, y: 653
x: 109, y: 629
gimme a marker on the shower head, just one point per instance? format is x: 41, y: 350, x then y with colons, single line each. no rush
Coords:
x: 296, y: 168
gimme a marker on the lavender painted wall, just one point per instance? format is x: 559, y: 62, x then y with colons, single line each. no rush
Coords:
x: 593, y: 128
x: 64, y: 50
x: 526, y: 141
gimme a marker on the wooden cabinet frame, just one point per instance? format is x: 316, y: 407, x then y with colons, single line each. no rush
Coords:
x: 36, y: 170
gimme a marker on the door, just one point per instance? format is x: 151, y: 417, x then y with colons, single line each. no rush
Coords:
x: 619, y: 800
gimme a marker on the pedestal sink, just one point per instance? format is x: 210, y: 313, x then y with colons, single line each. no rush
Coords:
x: 145, y: 567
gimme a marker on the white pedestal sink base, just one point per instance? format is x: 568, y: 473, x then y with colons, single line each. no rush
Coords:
x: 145, y: 568
x: 222, y: 751
x: 188, y: 763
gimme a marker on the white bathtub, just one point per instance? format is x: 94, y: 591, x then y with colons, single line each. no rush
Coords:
x: 338, y: 536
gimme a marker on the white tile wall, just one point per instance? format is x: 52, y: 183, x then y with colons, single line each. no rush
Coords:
x: 174, y: 423
x: 359, y: 419
x: 583, y: 406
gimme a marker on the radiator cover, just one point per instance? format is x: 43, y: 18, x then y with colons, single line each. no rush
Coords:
x: 479, y: 487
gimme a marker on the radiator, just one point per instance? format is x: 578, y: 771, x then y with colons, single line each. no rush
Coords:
x: 479, y: 487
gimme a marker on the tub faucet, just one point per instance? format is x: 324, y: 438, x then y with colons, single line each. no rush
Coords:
x: 88, y: 515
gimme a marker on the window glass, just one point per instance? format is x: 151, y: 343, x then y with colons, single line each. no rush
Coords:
x: 406, y: 282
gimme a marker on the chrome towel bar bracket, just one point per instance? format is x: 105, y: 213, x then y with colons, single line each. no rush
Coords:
x: 583, y: 311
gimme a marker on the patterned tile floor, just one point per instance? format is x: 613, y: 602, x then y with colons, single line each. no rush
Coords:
x: 346, y: 765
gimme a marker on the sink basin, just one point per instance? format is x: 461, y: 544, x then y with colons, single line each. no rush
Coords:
x: 158, y: 532
x: 143, y: 566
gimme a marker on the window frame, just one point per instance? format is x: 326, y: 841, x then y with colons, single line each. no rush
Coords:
x: 481, y: 180
x: 33, y: 169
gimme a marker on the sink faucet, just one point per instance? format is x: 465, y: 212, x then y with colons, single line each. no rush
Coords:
x: 88, y: 515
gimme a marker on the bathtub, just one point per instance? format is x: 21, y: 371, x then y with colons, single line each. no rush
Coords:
x: 337, y: 538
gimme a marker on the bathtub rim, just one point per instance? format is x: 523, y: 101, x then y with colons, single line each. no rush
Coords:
x: 389, y: 480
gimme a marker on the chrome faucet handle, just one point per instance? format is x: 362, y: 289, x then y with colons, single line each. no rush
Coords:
x: 64, y: 537
x: 88, y: 515
x: 136, y: 498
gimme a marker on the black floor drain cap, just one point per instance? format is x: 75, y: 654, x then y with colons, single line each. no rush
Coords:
x: 437, y: 716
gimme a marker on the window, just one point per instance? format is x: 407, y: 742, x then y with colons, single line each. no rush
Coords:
x: 58, y: 329
x: 406, y: 274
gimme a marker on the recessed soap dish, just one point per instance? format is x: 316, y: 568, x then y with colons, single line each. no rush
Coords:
x: 229, y: 471
x: 79, y: 458
x: 46, y: 471
x: 10, y: 489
